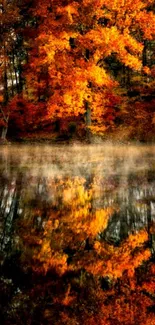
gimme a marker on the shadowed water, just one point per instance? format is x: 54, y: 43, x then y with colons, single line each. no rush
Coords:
x: 68, y: 212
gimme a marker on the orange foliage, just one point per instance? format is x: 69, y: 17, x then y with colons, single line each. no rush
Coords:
x: 113, y: 262
x: 68, y: 243
x: 73, y: 42
x: 77, y: 221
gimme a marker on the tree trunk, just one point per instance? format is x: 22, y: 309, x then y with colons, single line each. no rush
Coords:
x: 4, y: 133
x: 12, y: 80
x: 19, y: 64
x: 145, y: 54
x: 20, y: 76
x: 6, y: 93
x: 15, y: 71
x: 88, y: 121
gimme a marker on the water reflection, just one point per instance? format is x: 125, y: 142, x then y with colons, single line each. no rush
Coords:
x: 73, y: 217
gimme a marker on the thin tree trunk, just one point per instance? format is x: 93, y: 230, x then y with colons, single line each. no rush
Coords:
x: 88, y: 121
x: 15, y: 70
x: 20, y: 76
x: 4, y: 133
x: 144, y: 59
x: 12, y: 84
x: 6, y: 93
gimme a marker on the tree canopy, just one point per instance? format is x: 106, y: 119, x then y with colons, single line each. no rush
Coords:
x: 76, y: 59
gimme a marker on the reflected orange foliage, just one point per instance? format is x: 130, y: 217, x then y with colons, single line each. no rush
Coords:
x: 113, y: 261
x: 108, y: 280
x: 77, y: 221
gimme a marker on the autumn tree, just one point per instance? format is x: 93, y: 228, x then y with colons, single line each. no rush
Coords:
x: 13, y: 55
x: 74, y: 41
x: 9, y: 15
x: 15, y: 23
x: 75, y: 57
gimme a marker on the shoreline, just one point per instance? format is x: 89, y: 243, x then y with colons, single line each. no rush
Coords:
x: 93, y: 141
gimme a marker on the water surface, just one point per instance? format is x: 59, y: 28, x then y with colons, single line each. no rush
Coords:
x: 77, y: 236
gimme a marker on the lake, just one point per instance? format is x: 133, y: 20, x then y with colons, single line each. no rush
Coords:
x: 77, y: 234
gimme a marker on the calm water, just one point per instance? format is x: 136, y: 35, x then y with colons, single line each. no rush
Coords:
x: 77, y: 236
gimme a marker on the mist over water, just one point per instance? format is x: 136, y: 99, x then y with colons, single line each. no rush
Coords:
x: 122, y: 177
x: 75, y: 159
